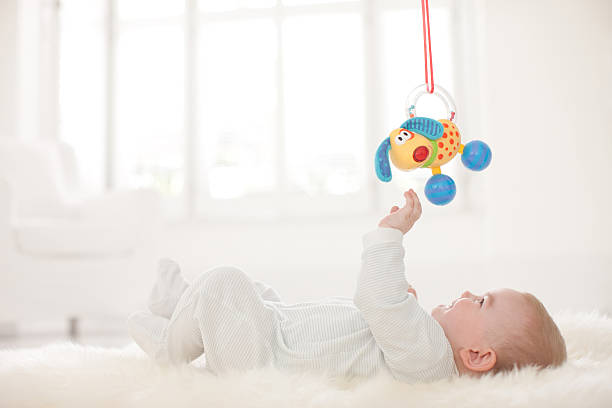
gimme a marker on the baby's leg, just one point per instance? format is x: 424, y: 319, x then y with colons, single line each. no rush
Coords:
x: 170, y: 286
x: 266, y: 292
x: 181, y: 340
x: 183, y: 337
x: 175, y: 339
x: 238, y: 328
x: 147, y: 330
x: 222, y: 314
x: 167, y: 290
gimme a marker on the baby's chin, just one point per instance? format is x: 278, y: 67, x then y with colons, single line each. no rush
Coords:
x: 439, y: 311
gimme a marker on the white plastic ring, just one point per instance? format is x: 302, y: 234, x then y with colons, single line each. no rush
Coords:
x: 416, y: 93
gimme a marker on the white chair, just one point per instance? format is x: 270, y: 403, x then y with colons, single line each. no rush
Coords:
x: 64, y: 255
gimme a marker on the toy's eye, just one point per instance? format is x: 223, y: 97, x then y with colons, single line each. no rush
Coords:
x: 403, y: 137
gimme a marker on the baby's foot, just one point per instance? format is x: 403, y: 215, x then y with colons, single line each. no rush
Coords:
x: 168, y: 289
x: 147, y: 330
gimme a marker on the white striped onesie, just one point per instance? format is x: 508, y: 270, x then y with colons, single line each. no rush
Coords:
x: 240, y: 324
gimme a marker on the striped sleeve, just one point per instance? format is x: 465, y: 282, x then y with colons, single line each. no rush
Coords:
x: 412, y: 342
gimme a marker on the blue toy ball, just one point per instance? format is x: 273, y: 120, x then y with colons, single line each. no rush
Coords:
x: 476, y: 155
x: 440, y: 189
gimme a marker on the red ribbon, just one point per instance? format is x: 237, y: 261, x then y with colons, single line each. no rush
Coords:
x: 427, y: 46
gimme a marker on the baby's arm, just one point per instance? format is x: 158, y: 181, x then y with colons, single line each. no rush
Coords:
x: 404, y: 219
x: 412, y: 342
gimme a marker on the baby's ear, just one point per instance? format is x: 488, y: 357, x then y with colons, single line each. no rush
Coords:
x: 478, y: 360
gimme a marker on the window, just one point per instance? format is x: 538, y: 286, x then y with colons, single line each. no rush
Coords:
x: 82, y: 87
x: 262, y: 107
x: 149, y: 96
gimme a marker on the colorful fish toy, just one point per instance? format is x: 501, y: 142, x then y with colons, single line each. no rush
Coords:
x: 421, y: 142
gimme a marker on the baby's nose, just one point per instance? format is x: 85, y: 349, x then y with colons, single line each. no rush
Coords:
x: 467, y: 294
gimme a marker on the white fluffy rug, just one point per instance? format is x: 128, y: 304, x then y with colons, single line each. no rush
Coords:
x: 67, y: 375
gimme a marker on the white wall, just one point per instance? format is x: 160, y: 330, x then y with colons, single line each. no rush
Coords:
x: 547, y: 109
x: 8, y: 68
x: 543, y: 218
x: 547, y: 68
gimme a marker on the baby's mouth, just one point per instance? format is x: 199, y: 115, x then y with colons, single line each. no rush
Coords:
x: 451, y: 305
x: 448, y: 307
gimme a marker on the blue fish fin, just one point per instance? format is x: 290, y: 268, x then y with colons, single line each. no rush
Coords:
x: 430, y: 128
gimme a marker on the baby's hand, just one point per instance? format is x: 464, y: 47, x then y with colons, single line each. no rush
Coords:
x: 403, y: 218
x: 411, y: 290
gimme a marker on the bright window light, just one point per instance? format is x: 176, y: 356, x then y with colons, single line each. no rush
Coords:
x: 146, y: 9
x: 82, y: 87
x: 149, y: 142
x: 258, y: 105
x: 229, y: 5
x: 237, y: 98
x: 324, y: 103
x: 309, y: 2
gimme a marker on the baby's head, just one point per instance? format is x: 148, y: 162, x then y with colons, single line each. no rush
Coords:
x: 501, y: 329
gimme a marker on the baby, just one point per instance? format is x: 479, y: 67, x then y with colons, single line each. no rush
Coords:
x: 239, y: 323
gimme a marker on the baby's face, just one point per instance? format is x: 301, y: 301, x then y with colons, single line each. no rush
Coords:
x: 468, y: 319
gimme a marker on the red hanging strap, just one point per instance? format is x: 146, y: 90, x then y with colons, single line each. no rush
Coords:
x: 427, y: 46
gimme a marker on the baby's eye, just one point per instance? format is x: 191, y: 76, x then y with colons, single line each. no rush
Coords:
x: 481, y: 302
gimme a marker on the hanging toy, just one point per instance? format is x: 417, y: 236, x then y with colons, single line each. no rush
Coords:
x: 422, y: 142
x: 425, y: 142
